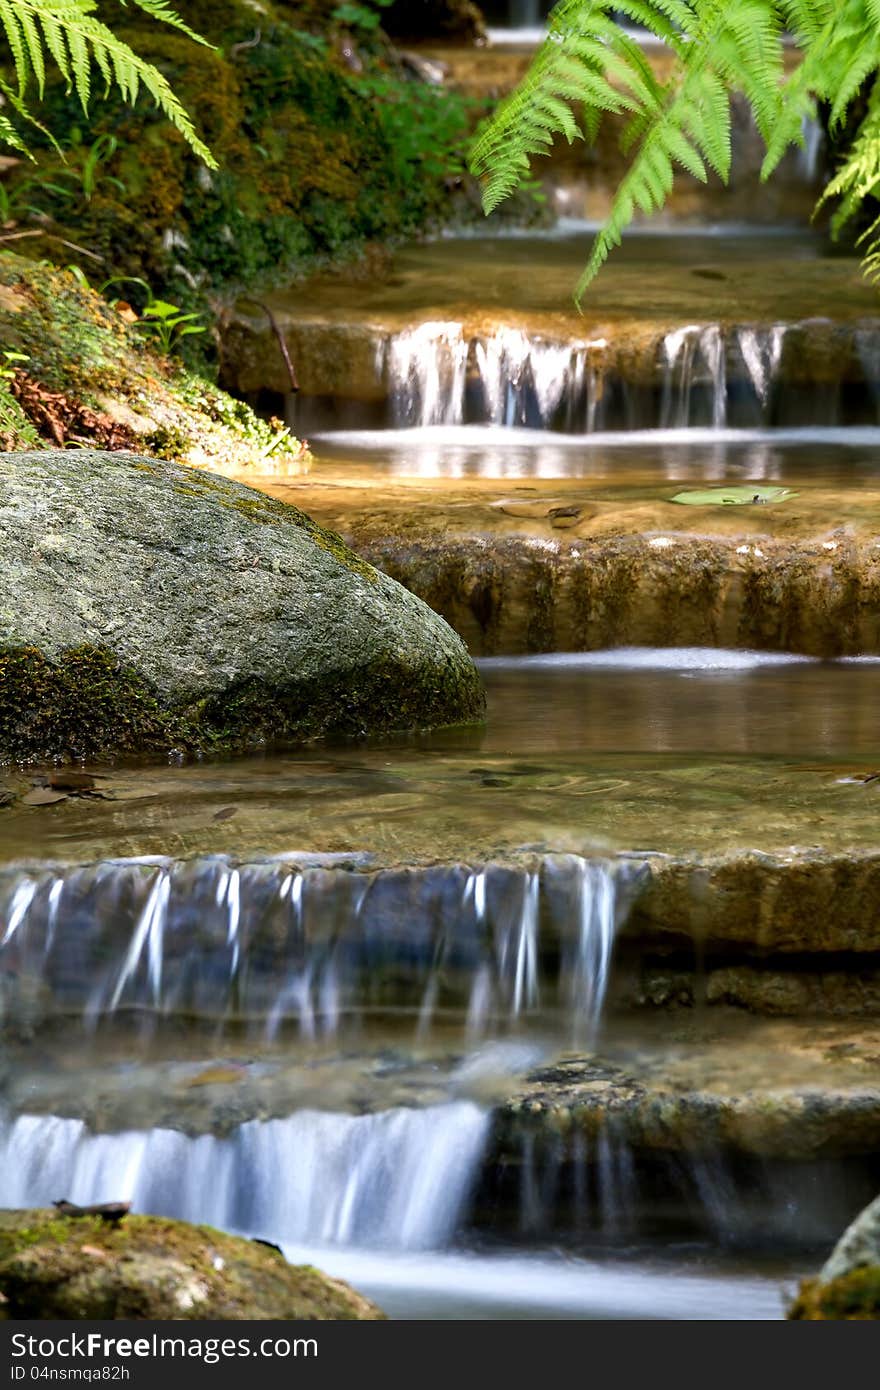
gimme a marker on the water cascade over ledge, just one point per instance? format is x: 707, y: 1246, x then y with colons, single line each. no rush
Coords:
x: 312, y: 947
x: 696, y: 375
x: 397, y: 1179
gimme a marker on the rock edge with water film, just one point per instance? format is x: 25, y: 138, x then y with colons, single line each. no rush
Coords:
x: 146, y: 606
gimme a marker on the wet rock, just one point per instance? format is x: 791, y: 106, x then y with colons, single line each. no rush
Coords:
x: 690, y: 1115
x: 803, y: 901
x: 145, y: 605
x: 152, y: 1268
x: 848, y: 1286
x: 858, y: 1247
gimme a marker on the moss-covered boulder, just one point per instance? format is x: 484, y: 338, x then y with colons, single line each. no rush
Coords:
x: 152, y: 1268
x: 148, y: 606
x: 848, y: 1286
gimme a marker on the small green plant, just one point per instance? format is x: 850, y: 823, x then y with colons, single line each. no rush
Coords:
x: 15, y: 428
x: 82, y: 165
x: 169, y: 325
x: 9, y: 367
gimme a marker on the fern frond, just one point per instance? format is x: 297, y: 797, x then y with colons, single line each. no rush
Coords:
x: 718, y: 49
x: 76, y: 40
x: 158, y: 9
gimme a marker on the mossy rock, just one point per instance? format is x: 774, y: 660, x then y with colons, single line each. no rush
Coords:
x: 855, y: 1297
x: 145, y: 606
x: 152, y: 1268
x: 848, y: 1286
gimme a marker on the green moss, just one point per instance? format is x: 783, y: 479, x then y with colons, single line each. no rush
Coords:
x: 77, y: 345
x: 853, y: 1297
x: 315, y: 160
x: 376, y: 698
x: 84, y: 705
x: 154, y: 1268
x: 87, y: 705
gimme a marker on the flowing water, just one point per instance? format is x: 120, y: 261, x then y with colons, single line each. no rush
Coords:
x: 437, y: 1013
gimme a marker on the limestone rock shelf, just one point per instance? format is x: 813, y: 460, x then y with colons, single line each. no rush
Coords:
x: 522, y: 565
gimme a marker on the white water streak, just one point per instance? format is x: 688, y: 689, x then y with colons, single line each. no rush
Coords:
x: 399, y: 1179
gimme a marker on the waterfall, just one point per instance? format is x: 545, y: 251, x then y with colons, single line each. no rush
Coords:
x: 290, y: 945
x: 427, y: 370
x: 761, y: 350
x: 525, y: 380
x: 810, y: 152
x: 516, y: 379
x: 694, y: 358
x: 399, y: 1179
x: 604, y: 1187
x: 696, y: 376
x: 867, y: 341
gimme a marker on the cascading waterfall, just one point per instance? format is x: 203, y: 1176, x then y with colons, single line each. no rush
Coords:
x: 427, y: 370
x: 695, y: 361
x: 400, y: 1179
x: 761, y: 351
x: 703, y: 375
x: 527, y: 381
x: 602, y: 1187
x: 289, y: 942
x: 437, y: 375
x: 283, y: 944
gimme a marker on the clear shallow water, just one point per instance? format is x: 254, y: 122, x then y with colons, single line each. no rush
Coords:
x: 682, y: 700
x: 581, y: 754
x: 628, y: 458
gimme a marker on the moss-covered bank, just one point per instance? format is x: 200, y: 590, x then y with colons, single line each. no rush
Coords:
x: 148, y: 1267
x: 90, y: 377
x: 325, y: 141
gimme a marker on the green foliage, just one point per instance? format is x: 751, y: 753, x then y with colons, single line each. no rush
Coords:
x: 365, y: 17
x: 424, y: 127
x: 16, y: 430
x: 168, y: 324
x: 315, y: 160
x: 718, y: 48
x: 70, y: 35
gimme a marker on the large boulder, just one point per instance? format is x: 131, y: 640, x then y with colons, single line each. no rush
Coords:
x: 148, y: 606
x: 848, y: 1286
x: 152, y: 1268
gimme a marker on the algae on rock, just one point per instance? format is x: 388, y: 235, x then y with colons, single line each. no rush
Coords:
x: 154, y: 1268
x: 148, y: 606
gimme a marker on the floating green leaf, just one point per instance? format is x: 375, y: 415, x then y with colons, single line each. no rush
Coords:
x: 748, y: 495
